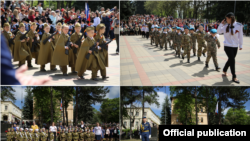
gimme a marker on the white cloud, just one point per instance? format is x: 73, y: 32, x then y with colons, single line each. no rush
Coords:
x: 225, y: 111
x: 20, y: 92
x: 114, y: 92
x: 161, y: 99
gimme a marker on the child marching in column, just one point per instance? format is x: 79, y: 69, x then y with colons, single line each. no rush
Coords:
x: 168, y: 38
x: 178, y: 39
x: 151, y: 35
x: 34, y: 42
x: 186, y: 43
x: 201, y: 42
x: 212, y: 41
x: 193, y: 37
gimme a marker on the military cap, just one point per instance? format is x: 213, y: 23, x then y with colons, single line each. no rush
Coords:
x: 99, y: 26
x: 173, y: 27
x: 45, y: 25
x: 213, y: 31
x: 156, y: 27
x: 186, y: 27
x: 21, y: 25
x: 178, y: 28
x: 31, y: 129
x: 230, y: 14
x: 78, y: 25
x: 59, y: 22
x: 89, y: 28
x: 26, y: 129
x: 191, y: 28
x: 33, y: 23
x: 6, y: 24
x: 21, y: 128
x: 202, y: 25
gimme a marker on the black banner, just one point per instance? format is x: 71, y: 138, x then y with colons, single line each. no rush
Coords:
x: 198, y: 132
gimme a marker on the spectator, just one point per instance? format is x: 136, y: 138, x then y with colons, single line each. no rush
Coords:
x: 53, y: 17
x: 40, y: 8
x: 34, y: 126
x: 32, y: 16
x: 116, y: 27
x: 21, y: 15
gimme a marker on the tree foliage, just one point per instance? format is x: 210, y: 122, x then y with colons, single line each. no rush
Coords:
x: 7, y: 93
x: 166, y: 112
x: 109, y: 111
x: 28, y: 104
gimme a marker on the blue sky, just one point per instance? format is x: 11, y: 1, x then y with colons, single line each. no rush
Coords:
x: 163, y: 92
x: 114, y: 93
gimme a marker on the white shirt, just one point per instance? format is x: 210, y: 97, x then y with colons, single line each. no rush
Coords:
x: 53, y: 128
x: 232, y: 40
x: 98, y: 130
x: 40, y: 9
x: 96, y: 21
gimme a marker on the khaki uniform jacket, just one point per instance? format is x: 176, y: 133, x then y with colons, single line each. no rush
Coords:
x: 87, y: 137
x: 103, y: 53
x: 59, y: 56
x: 73, y: 39
x: 46, y: 51
x: 82, y: 63
x: 31, y: 35
x: 44, y: 136
x: 8, y: 37
x: 21, y: 50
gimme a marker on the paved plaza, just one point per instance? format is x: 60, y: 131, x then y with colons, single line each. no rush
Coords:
x: 113, y: 71
x: 144, y: 64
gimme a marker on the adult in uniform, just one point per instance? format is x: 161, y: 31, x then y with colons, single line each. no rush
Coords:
x: 186, y: 43
x: 145, y: 130
x: 194, y: 38
x: 21, y: 50
x: 103, y: 53
x: 46, y: 50
x: 34, y: 37
x: 59, y: 56
x: 212, y: 41
x: 201, y: 42
x: 94, y: 63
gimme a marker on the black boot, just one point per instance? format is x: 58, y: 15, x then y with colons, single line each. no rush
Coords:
x: 207, y: 66
x: 204, y: 54
x: 156, y: 45
x: 194, y: 54
x: 182, y: 57
x: 179, y: 56
x: 188, y: 60
x: 217, y: 68
x: 176, y: 53
x: 199, y: 59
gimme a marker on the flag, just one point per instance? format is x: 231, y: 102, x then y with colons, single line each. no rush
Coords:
x: 87, y: 12
x: 216, y: 109
x: 61, y: 106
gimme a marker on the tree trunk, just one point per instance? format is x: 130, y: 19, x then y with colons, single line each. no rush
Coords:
x: 207, y: 95
x: 62, y: 99
x: 77, y: 90
x: 69, y: 4
x: 31, y: 3
x: 67, y: 121
x: 196, y: 111
x: 130, y: 122
x: 51, y: 105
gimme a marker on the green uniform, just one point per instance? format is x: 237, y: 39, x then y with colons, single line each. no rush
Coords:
x: 63, y: 137
x: 194, y: 38
x: 178, y: 39
x: 151, y: 35
x: 136, y: 30
x: 36, y: 136
x: 201, y: 42
x: 168, y: 40
x: 87, y: 137
x: 51, y: 136
x: 30, y: 136
x: 186, y: 44
x: 25, y: 136
x: 211, y: 48
x: 44, y: 136
x: 81, y: 136
x: 9, y: 136
x: 92, y: 136
x: 173, y: 36
x: 164, y: 38
x: 69, y: 136
x: 157, y: 37
x: 75, y: 136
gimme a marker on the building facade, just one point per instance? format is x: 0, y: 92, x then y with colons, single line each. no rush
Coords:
x: 10, y: 112
x: 136, y: 116
x: 202, y: 115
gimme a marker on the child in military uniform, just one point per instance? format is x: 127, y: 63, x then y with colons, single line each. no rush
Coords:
x: 75, y: 135
x: 193, y: 37
x: 173, y: 35
x: 51, y: 136
x: 46, y: 50
x: 151, y: 36
x: 186, y: 43
x: 34, y: 37
x: 25, y: 134
x: 94, y: 62
x: 21, y: 50
x: 9, y: 36
x: 212, y: 41
x: 69, y: 135
x: 59, y: 32
x: 164, y: 37
x: 87, y: 136
x: 136, y: 30
x: 9, y: 135
x: 30, y: 135
x: 81, y: 135
x: 63, y: 136
x: 168, y: 38
x: 201, y: 42
x: 36, y: 135
x: 44, y: 135
x: 178, y: 39
x: 156, y: 35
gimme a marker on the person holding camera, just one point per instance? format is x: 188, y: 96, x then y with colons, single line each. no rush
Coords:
x: 233, y: 38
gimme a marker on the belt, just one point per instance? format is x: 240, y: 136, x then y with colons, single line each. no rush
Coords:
x: 145, y: 131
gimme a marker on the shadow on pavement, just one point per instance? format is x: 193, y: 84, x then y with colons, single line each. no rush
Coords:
x: 202, y: 73
x: 225, y: 82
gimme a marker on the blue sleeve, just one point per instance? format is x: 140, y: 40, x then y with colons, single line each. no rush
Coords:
x: 7, y: 71
x: 149, y: 129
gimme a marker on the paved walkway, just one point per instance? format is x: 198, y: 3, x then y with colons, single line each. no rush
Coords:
x: 113, y: 71
x: 144, y: 64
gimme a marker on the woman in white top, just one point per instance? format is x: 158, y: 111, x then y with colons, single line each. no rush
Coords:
x: 53, y: 129
x: 98, y: 132
x: 233, y: 38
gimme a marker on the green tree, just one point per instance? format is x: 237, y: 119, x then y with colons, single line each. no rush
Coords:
x: 28, y: 104
x: 236, y: 117
x: 109, y: 110
x: 165, y: 112
x: 96, y: 117
x: 7, y: 93
x: 127, y: 9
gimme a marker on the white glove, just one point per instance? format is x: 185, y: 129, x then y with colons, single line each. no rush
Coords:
x: 149, y: 136
x: 140, y: 136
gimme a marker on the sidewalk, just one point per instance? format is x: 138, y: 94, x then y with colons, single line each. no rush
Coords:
x: 144, y: 64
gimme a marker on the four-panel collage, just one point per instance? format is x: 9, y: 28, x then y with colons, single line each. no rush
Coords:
x: 124, y: 70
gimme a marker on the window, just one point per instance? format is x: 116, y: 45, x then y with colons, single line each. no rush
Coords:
x: 136, y: 123
x: 137, y: 113
x: 145, y: 114
x: 198, y: 119
x: 201, y: 110
x: 131, y: 113
x: 177, y: 120
x: 6, y: 108
x: 125, y: 123
x: 202, y: 119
